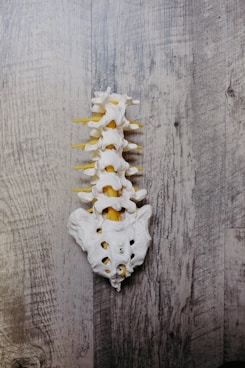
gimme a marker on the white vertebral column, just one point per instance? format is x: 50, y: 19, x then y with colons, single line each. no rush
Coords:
x: 115, y: 234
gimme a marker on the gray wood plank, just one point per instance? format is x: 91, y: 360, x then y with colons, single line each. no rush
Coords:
x: 170, y: 313
x: 234, y: 333
x: 235, y: 184
x: 235, y: 114
x: 208, y: 127
x: 45, y: 282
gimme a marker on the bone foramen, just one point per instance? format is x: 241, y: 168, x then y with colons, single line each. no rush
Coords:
x: 114, y: 233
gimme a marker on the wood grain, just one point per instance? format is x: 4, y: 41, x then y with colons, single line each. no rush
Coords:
x: 234, y: 322
x: 46, y: 284
x: 234, y: 335
x: 173, y: 57
x: 151, y: 319
x: 208, y: 127
x: 235, y: 114
x: 185, y: 61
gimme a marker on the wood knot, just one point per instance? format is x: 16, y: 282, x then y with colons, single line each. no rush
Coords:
x: 230, y: 91
x: 26, y: 362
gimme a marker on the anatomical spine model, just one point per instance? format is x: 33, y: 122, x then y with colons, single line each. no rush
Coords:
x: 114, y: 232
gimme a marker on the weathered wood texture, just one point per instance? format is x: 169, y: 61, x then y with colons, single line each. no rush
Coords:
x: 185, y: 61
x: 234, y: 322
x: 45, y: 282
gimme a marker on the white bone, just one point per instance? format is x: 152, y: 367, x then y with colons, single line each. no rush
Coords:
x: 114, y: 248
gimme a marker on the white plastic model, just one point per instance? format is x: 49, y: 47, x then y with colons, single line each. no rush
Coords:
x: 114, y: 232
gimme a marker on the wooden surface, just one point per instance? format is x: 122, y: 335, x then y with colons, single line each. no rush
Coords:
x: 46, y: 285
x: 185, y: 61
x: 234, y: 322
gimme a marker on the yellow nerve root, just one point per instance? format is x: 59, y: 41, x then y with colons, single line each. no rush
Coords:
x: 104, y: 245
x: 110, y: 146
x: 86, y: 120
x: 97, y: 118
x: 112, y: 124
x: 123, y: 267
x: 87, y: 190
x: 110, y: 191
x: 112, y: 214
x: 109, y: 169
x: 106, y: 260
x: 82, y: 145
x: 84, y: 167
